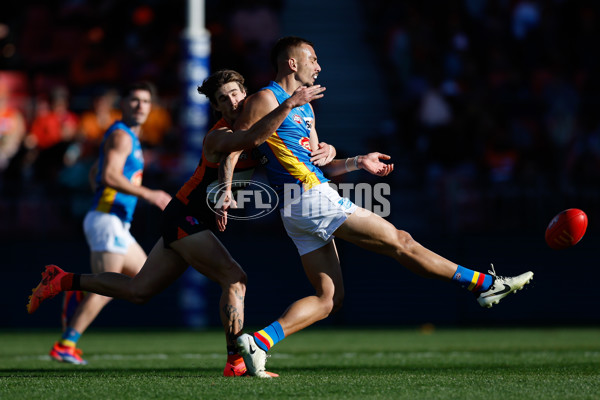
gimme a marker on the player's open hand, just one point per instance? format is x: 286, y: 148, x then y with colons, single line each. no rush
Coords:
x: 304, y: 95
x: 221, y: 219
x: 221, y: 212
x: 372, y: 163
x: 323, y: 155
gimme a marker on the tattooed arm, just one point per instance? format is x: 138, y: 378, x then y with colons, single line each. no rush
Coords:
x: 226, y: 167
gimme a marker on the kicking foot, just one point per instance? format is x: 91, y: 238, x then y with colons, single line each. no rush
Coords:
x: 502, y: 287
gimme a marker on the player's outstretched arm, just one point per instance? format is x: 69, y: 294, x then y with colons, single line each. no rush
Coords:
x: 262, y: 116
x: 371, y: 163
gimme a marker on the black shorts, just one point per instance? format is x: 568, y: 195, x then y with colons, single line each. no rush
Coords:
x: 178, y: 221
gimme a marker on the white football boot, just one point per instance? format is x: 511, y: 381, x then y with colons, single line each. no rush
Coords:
x: 502, y: 287
x: 254, y: 357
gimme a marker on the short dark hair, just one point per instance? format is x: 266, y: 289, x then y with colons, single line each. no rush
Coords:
x: 211, y: 84
x: 283, y: 46
x: 140, y: 85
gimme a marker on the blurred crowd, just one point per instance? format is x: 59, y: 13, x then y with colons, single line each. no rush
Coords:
x: 493, y: 101
x: 62, y: 64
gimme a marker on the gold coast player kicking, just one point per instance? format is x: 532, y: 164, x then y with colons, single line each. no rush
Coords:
x: 290, y: 165
x: 187, y: 222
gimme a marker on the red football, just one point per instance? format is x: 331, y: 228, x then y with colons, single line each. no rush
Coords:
x: 566, y: 229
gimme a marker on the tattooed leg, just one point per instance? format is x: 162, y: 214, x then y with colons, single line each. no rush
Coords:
x: 232, y: 314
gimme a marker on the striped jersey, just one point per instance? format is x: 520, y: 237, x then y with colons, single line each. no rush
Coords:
x: 205, y: 180
x: 109, y: 200
x: 288, y: 149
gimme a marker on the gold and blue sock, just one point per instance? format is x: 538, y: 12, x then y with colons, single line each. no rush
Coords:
x: 268, y: 337
x: 70, y: 337
x: 473, y: 281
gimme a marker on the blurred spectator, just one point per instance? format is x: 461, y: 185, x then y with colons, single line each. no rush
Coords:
x: 583, y: 159
x: 93, y: 123
x: 435, y: 119
x: 157, y: 126
x: 46, y: 44
x: 526, y: 17
x: 52, y: 132
x: 501, y: 157
x: 255, y: 28
x: 159, y: 142
x: 435, y: 110
x: 94, y: 63
x: 513, y: 83
x: 398, y: 53
x: 12, y: 128
x: 9, y: 57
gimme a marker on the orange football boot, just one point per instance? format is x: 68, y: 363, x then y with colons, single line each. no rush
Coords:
x: 47, y: 288
x: 68, y: 354
x: 238, y: 368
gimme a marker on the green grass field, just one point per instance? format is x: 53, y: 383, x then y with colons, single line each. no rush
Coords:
x: 551, y: 363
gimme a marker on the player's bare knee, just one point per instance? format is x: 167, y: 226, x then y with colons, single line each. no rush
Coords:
x: 337, y: 304
x: 232, y: 273
x: 404, y: 242
x: 242, y: 278
x: 231, y: 277
x: 327, y: 309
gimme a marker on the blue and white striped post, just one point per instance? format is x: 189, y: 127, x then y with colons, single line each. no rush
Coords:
x: 194, y: 119
x: 195, y: 109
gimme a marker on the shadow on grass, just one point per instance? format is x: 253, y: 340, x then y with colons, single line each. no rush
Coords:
x: 212, y: 372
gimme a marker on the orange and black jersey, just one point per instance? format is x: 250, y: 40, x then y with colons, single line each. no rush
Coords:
x: 191, y: 211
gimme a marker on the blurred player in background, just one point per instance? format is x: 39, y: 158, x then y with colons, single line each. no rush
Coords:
x: 117, y: 181
x: 52, y: 132
x: 188, y: 222
x: 290, y: 163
